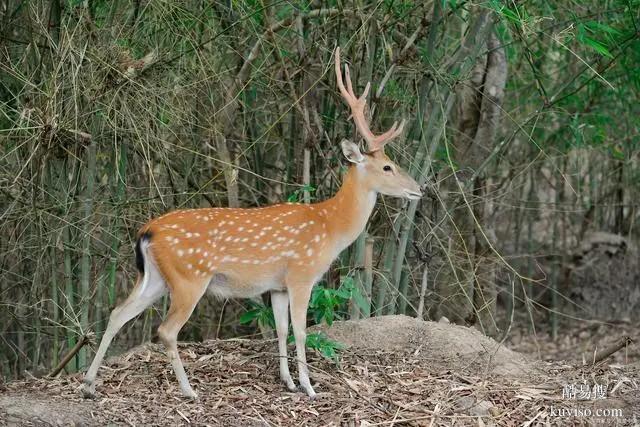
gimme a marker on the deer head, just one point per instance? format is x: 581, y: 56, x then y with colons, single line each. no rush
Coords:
x: 380, y: 174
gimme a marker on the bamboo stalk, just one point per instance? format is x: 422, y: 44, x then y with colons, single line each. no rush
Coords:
x: 403, y: 289
x: 85, y: 261
x: 306, y: 175
x: 69, y: 285
x: 55, y: 302
x: 358, y: 262
x: 423, y: 291
x: 121, y: 185
x: 406, y: 233
x: 387, y: 265
x: 530, y: 248
x: 555, y: 268
x: 67, y: 244
x: 368, y: 275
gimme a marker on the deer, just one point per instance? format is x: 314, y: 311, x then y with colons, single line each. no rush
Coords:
x: 283, y: 249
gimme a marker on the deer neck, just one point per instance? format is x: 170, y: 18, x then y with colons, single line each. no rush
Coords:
x: 350, y: 208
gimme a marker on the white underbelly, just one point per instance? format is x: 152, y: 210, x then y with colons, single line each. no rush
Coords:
x: 223, y: 286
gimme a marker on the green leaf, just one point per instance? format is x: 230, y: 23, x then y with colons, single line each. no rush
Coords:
x: 249, y: 316
x: 298, y: 195
x: 325, y: 346
x: 597, y: 46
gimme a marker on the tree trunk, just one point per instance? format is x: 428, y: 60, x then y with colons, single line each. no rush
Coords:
x: 469, y: 292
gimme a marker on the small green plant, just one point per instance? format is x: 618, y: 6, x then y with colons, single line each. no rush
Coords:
x: 330, y: 304
x: 326, y: 305
x: 324, y: 345
x: 260, y: 313
x: 298, y: 195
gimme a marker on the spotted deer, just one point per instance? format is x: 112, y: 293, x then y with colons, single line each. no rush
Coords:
x: 282, y: 249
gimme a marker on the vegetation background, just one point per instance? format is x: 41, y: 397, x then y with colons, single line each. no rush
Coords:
x: 523, y: 126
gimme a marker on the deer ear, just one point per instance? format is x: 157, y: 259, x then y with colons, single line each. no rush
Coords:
x: 351, y: 151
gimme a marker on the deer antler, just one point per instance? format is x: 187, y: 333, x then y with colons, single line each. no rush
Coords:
x: 374, y: 142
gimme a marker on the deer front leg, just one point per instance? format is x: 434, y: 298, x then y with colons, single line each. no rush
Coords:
x: 280, y: 304
x: 299, y: 294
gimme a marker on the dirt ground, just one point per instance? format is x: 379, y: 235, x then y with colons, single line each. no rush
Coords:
x: 395, y: 370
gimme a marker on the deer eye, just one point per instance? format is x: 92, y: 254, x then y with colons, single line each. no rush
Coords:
x: 386, y: 168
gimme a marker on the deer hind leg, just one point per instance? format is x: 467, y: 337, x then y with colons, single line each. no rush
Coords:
x: 280, y: 304
x: 299, y: 293
x: 184, y: 297
x: 149, y: 288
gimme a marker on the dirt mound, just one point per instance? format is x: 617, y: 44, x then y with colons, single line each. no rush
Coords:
x: 396, y: 370
x: 444, y: 345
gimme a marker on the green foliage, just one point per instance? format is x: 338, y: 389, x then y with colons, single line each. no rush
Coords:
x: 597, y: 36
x: 326, y: 305
x: 298, y: 195
x: 510, y: 12
x: 400, y: 8
x: 260, y: 313
x: 325, y: 346
x: 331, y: 304
x: 396, y: 92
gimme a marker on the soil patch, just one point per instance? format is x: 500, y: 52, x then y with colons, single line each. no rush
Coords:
x: 387, y: 376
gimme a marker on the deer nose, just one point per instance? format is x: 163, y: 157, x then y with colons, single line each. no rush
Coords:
x: 413, y: 194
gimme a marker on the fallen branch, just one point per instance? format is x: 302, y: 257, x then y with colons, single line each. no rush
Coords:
x: 67, y: 358
x: 608, y: 351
